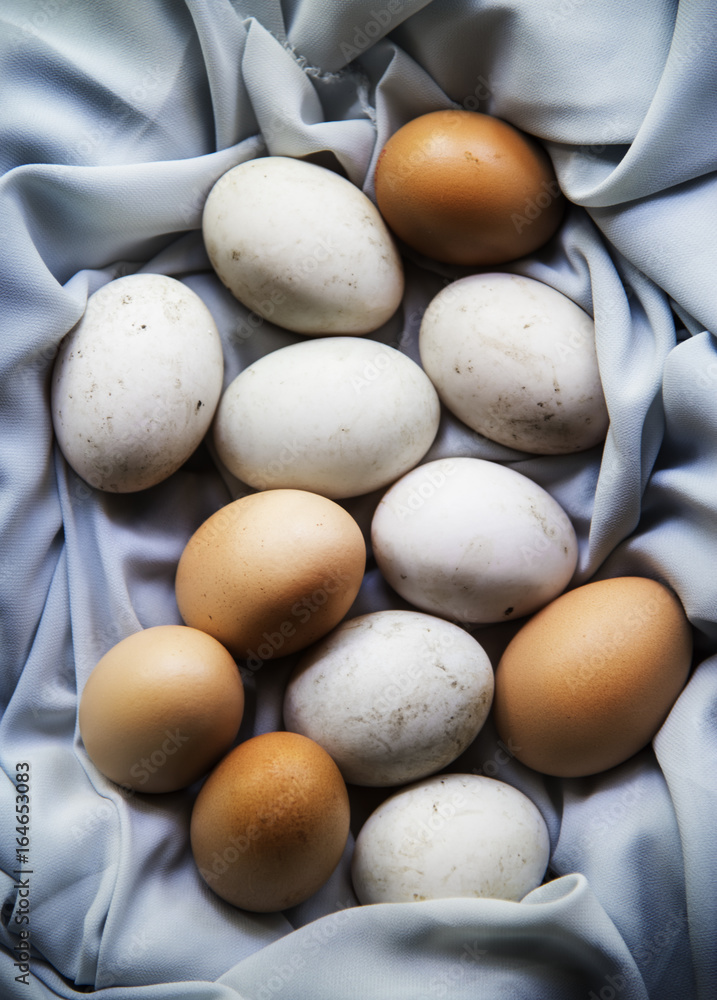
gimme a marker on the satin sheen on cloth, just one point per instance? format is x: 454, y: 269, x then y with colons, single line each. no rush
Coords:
x: 115, y: 121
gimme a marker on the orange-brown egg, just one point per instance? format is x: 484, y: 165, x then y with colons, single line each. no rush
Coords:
x: 590, y: 678
x: 466, y: 188
x: 160, y: 708
x: 271, y: 822
x: 271, y: 572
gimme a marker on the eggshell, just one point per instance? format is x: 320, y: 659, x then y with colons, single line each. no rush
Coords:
x: 466, y: 188
x: 515, y: 360
x: 270, y: 823
x: 449, y: 836
x: 336, y: 416
x: 302, y: 246
x: 136, y: 382
x: 473, y: 541
x: 589, y: 680
x: 271, y: 573
x: 393, y: 695
x: 160, y: 708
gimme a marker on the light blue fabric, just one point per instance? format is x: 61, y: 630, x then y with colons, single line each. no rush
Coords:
x: 115, y: 121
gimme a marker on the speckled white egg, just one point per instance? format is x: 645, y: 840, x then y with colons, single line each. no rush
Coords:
x: 339, y: 416
x: 393, y: 696
x: 136, y: 382
x: 453, y: 835
x: 473, y: 541
x: 303, y: 247
x: 515, y: 360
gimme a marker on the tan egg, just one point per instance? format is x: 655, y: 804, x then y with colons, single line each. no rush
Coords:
x: 590, y: 678
x: 271, y: 822
x: 160, y: 708
x: 271, y: 572
x: 466, y: 188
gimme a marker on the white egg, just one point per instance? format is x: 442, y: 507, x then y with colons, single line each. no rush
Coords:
x: 449, y: 836
x: 515, y: 360
x: 339, y: 416
x: 392, y: 696
x: 473, y: 541
x: 302, y: 246
x: 136, y: 382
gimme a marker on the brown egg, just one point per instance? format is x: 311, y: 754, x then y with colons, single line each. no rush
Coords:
x: 271, y: 572
x: 590, y: 678
x: 466, y: 188
x: 271, y: 822
x: 160, y: 708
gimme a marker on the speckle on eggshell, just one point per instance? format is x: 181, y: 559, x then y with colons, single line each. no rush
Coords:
x: 467, y: 188
x: 590, y: 678
x: 392, y: 695
x: 123, y: 403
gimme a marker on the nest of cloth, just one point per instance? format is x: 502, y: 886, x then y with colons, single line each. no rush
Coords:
x: 116, y: 120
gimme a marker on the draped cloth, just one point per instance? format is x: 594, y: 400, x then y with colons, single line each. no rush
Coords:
x: 115, y: 121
